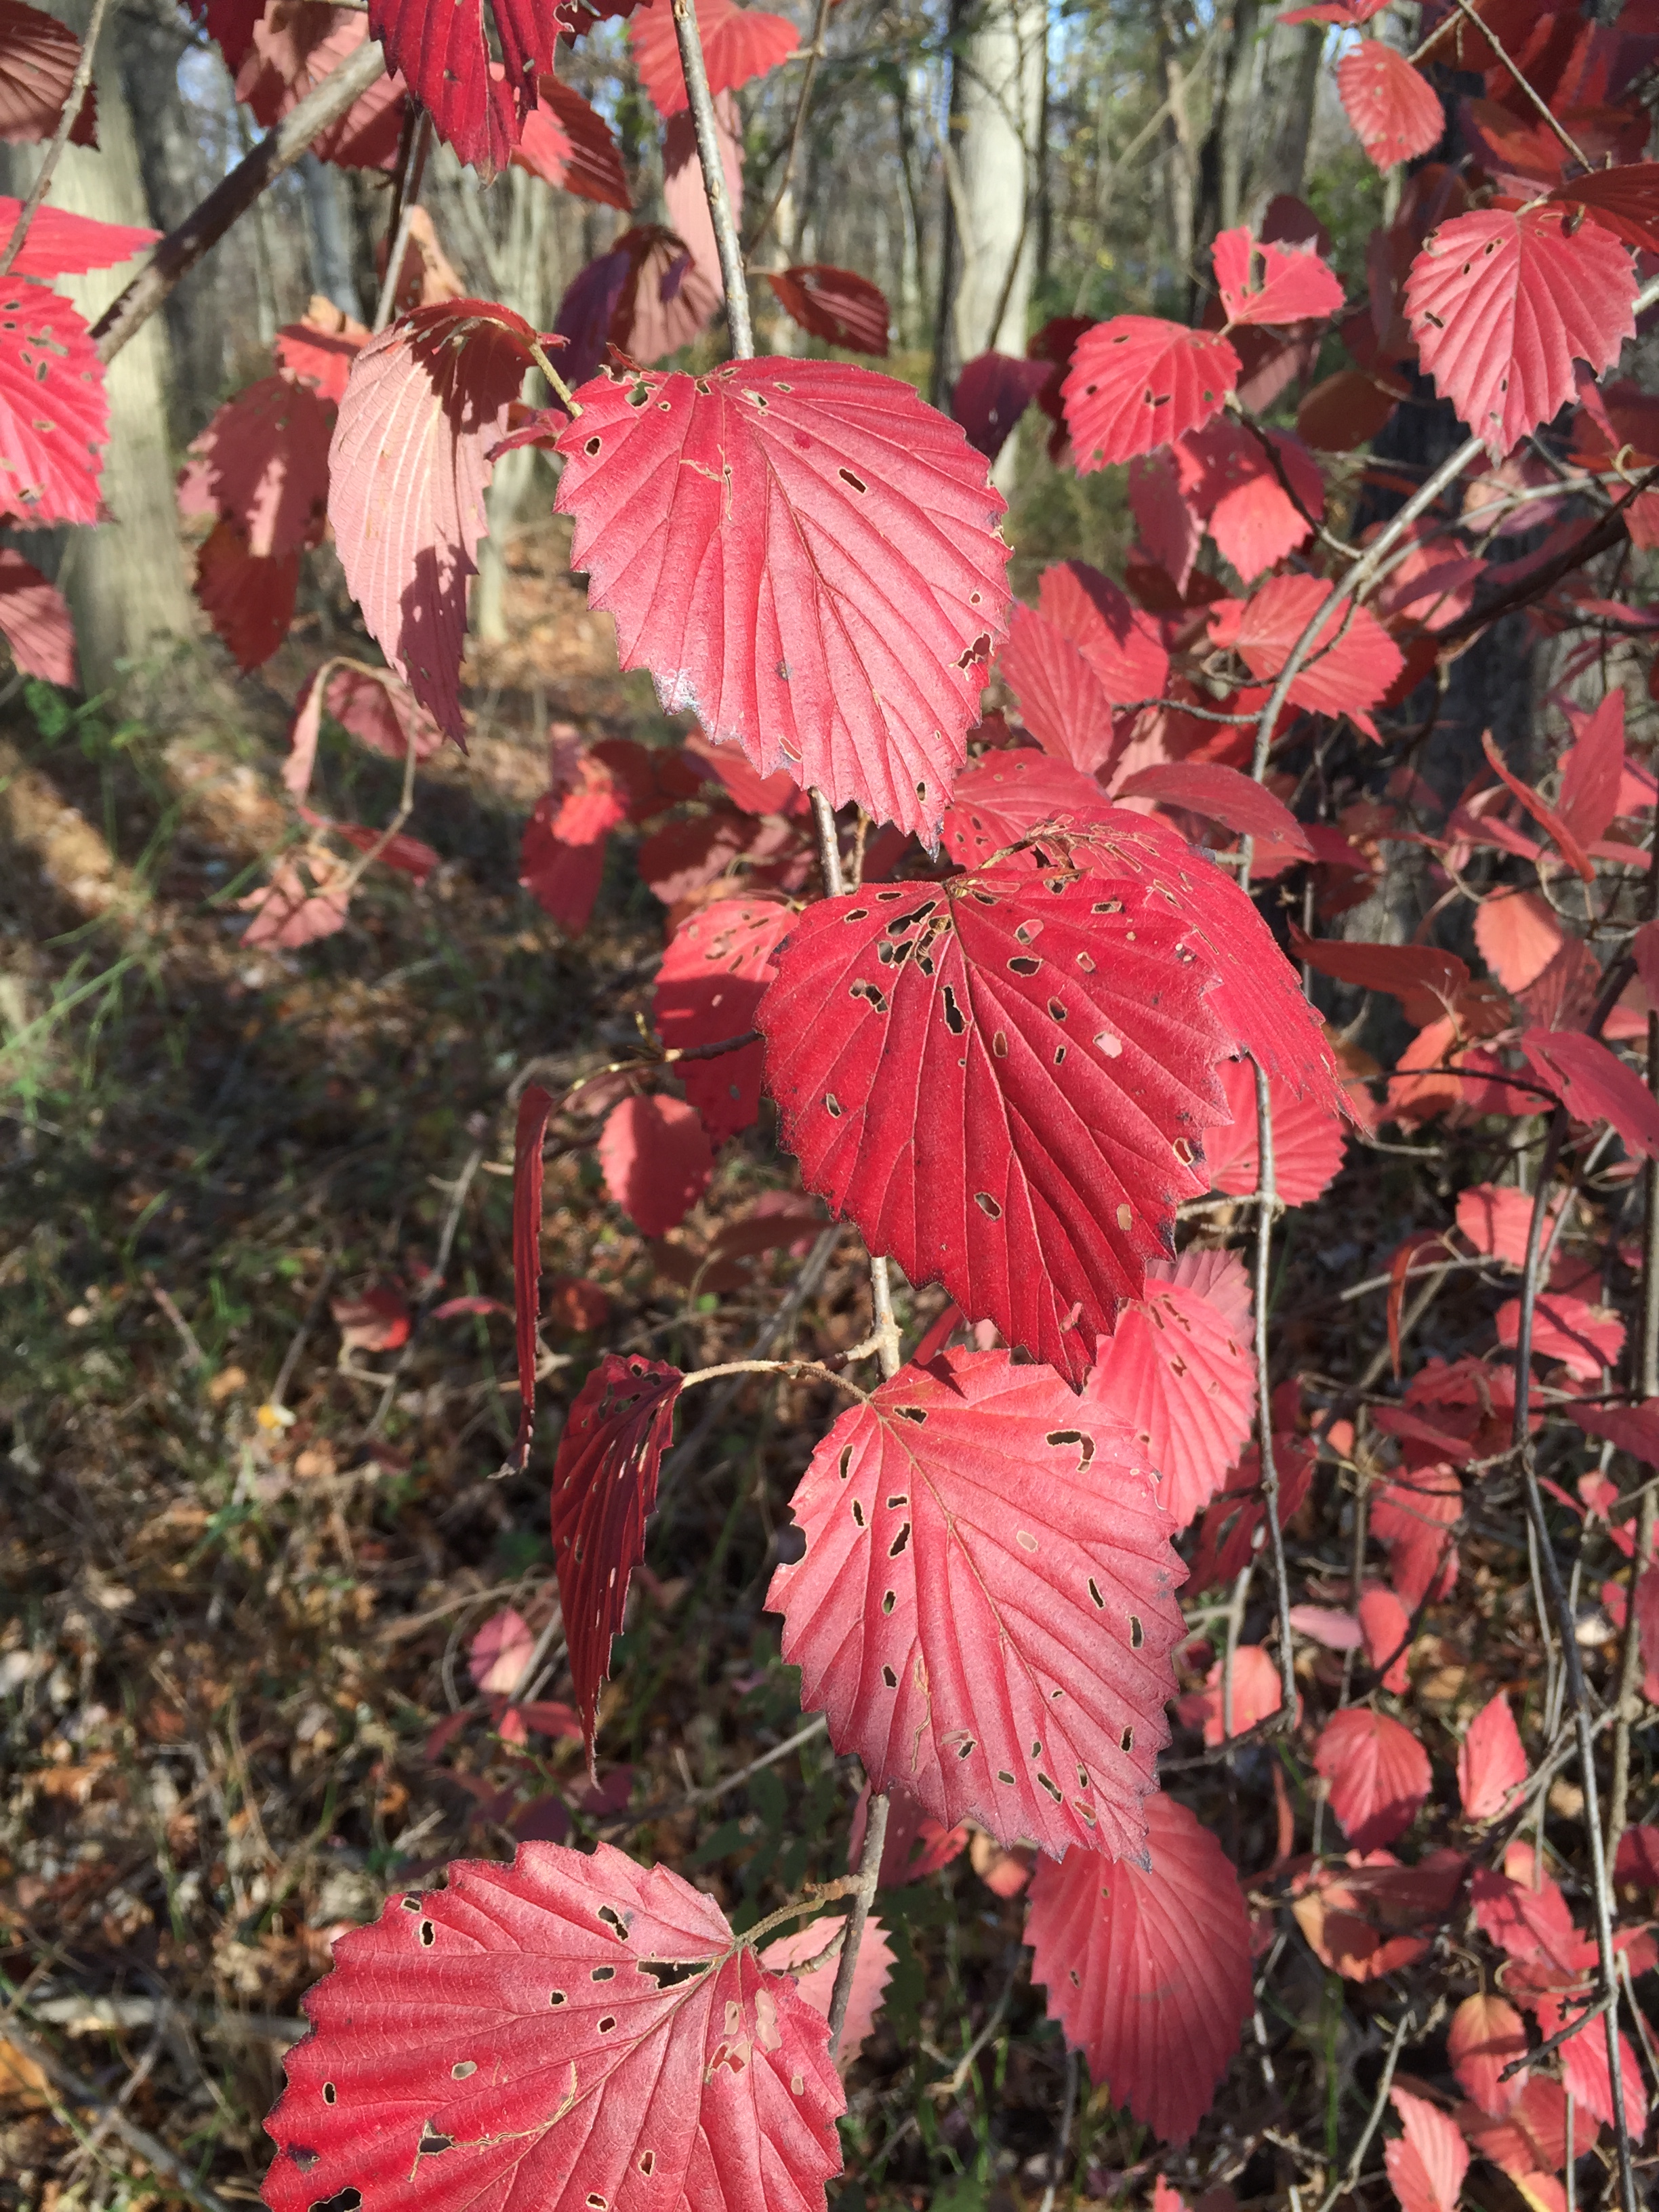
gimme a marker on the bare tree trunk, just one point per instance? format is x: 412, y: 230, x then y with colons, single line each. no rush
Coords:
x: 1278, y: 143
x: 1222, y: 156
x: 1180, y: 150
x: 521, y: 283
x: 328, y: 219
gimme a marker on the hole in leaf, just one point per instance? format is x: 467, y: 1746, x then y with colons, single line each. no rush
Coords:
x: 916, y: 1414
x: 855, y: 483
x: 556, y: 1997
x: 592, y: 448
x: 999, y: 1044
x: 1128, y: 1740
x: 846, y: 1460
x: 1094, y: 1592
x: 1085, y: 963
x: 955, y: 1020
x: 899, y: 1541
x: 1110, y: 1045
x: 607, y: 2023
x: 899, y: 1498
x: 1053, y: 1789
x: 1056, y: 1012
x: 890, y: 1678
x: 463, y: 2069
x: 428, y: 1934
x: 1107, y: 906
x: 1083, y: 1778
x: 648, y: 2161
x: 1137, y: 1633
x: 988, y: 1204
x: 411, y: 1904
x: 1003, y: 1774
x: 669, y: 1973
x: 328, y: 2093
x: 966, y: 1748
x: 1022, y: 967
x: 615, y: 1922
x: 858, y: 1513
x: 431, y: 2144
x: 832, y: 1105
x: 603, y: 1974
x: 1025, y: 1539
x: 343, y: 2200
x: 889, y: 1599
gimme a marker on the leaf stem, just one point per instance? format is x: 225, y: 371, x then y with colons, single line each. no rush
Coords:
x: 706, y: 130
x: 60, y: 139
x: 787, y: 1367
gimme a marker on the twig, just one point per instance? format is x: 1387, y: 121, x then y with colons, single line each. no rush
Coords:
x: 54, y: 154
x: 1561, y: 2035
x: 1514, y: 69
x: 409, y: 194
x: 706, y: 130
x: 942, y: 2091
x: 785, y: 1367
x: 166, y: 2164
x: 1344, y: 2187
x: 207, y: 223
x: 869, y: 1874
x: 1068, y: 2112
x: 186, y: 1334
x: 823, y: 820
x: 297, y: 1341
x: 814, y: 56
x: 1266, y: 1193
x: 886, y: 1329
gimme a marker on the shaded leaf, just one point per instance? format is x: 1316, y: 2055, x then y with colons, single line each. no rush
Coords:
x: 568, y: 142
x: 1223, y: 794
x: 709, y: 988
x: 1378, y: 1774
x: 1062, y: 701
x: 800, y: 1955
x: 1310, y: 1139
x: 1414, y: 1515
x: 1121, y: 645
x: 1585, y: 2071
x: 1488, y: 2034
x: 39, y: 57
x: 35, y: 621
x: 1256, y: 1691
x: 320, y: 348
x: 834, y: 304
x: 248, y: 599
x: 990, y: 394
x: 562, y: 852
x: 1349, y: 667
x: 656, y: 1161
x: 1595, y: 1085
x: 265, y: 461
x: 1006, y: 795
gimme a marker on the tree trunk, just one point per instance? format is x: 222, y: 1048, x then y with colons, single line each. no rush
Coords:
x: 1222, y: 157
x: 328, y: 219
x: 524, y: 266
x: 1283, y: 125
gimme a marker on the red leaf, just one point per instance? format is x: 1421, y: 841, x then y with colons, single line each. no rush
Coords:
x: 833, y: 305
x: 321, y: 349
x: 1309, y: 1139
x: 1261, y: 281
x: 568, y: 143
x: 1426, y: 2165
x: 446, y: 61
x: 1222, y: 793
x: 1121, y: 645
x: 429, y: 2077
x: 737, y: 44
x: 561, y: 854
x: 54, y: 415
x: 1595, y: 1085
x: 249, y: 600
x: 1180, y: 1369
x: 1486, y: 2035
x: 1426, y: 980
x: 1355, y: 1918
x: 576, y: 1305
x: 1253, y: 519
x: 285, y: 52
x: 1495, y: 1217
x: 535, y: 1105
x: 1257, y: 1691
x: 990, y: 394
x: 605, y: 1489
x: 1171, y: 532
x: 1518, y: 935
x: 1592, y: 771
x: 1386, y: 1626
x: 60, y: 244
x: 38, y: 60
x: 841, y: 625
x: 1396, y: 113
x: 656, y: 1160
x: 984, y: 1605
x: 1501, y: 304
x: 1491, y: 1764
x: 709, y: 987
x: 379, y: 1321
x: 289, y: 911
x: 1633, y: 1429
x: 1624, y: 201
x: 1586, y: 1338
x: 1545, y: 814
x: 1532, y: 1924
x: 815, y: 1983
x: 454, y: 1309
x: 1584, y: 2072
x: 1138, y: 382
x: 1530, y: 2142
x: 1040, y: 1187
x: 1413, y: 1515
x: 683, y: 856
x: 1006, y: 795
x: 726, y: 766
x: 35, y: 622
x: 1062, y: 701
x: 265, y: 465
x: 1148, y: 1970
x: 1352, y: 663
x: 427, y: 400
x: 1378, y: 1773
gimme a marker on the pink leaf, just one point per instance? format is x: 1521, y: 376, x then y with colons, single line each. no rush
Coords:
x: 1179, y: 1368
x: 1309, y: 1139
x: 1519, y: 934
x: 499, y: 1653
x: 1633, y: 1429
x: 1386, y: 1625
x: 1427, y: 2164
x: 1592, y: 771
x: 1148, y: 1970
x: 1253, y: 520
x: 737, y: 44
x: 35, y: 622
x: 1006, y: 795
x: 1490, y: 1765
x: 833, y: 305
x: 1257, y: 1691
x: 1623, y: 201
x: 687, y: 202
x: 1395, y: 111
x: 379, y: 1321
x: 1262, y: 281
x: 1585, y: 1338
x: 1532, y: 1923
x: 1488, y: 2034
x: 454, y: 1309
x: 54, y: 414
x: 843, y: 623
x: 289, y: 911
x: 656, y: 1160
x: 1327, y: 1625
x: 1501, y: 304
x: 1137, y: 383
x: 1595, y: 1085
x: 699, y: 2068
x: 1222, y: 793
x: 984, y: 1605
x: 605, y: 1488
x: 1496, y: 1218
x: 1378, y: 1773
x: 1171, y: 530
x: 1062, y: 701
x: 800, y: 1955
x: 709, y: 988
x: 990, y: 394
x: 427, y: 400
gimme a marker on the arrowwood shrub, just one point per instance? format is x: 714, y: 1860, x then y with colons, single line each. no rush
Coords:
x: 1026, y: 988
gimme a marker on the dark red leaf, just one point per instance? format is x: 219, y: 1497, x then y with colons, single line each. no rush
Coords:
x: 604, y: 1490
x: 561, y: 854
x: 248, y: 599
x: 535, y: 1105
x: 1595, y: 1085
x: 35, y: 622
x: 321, y: 349
x: 1343, y: 411
x: 1062, y: 701
x: 656, y: 1160
x: 683, y: 856
x: 726, y: 766
x: 737, y: 44
x: 1395, y: 111
x: 439, y: 2075
x: 379, y: 1321
x: 1222, y: 793
x: 990, y: 394
x: 1378, y: 1774
x: 1501, y: 304
x: 1266, y: 280
x: 1633, y: 1429
x: 291, y: 46
x: 709, y: 988
x: 568, y: 142
x: 1121, y: 645
x: 985, y: 1607
x: 427, y: 400
x: 445, y: 60
x: 264, y: 458
x: 1490, y: 1765
x: 1624, y: 201
x: 410, y: 856
x: 1138, y: 382
x: 54, y: 415
x: 1234, y: 1528
x: 833, y: 305
x: 843, y: 623
x: 1148, y: 1970
x: 39, y: 57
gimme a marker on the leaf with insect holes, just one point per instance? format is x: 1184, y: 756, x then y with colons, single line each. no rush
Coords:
x: 1349, y: 666
x: 444, y: 56
x: 569, y: 144
x: 35, y: 621
x: 1062, y: 701
x: 1309, y: 1139
x: 426, y: 401
x: 1488, y: 2034
x: 38, y: 60
x: 54, y: 413
x: 709, y: 985
x: 1148, y: 1970
x: 656, y: 1161
x: 1490, y: 1766
x: 1378, y: 1773
x: 1595, y: 1085
x: 264, y: 458
x: 1179, y: 1368
x: 1006, y: 795
x: 568, y: 2027
x: 1395, y: 111
x: 806, y: 556
x: 1058, y: 1030
x: 1263, y: 281
x: 834, y: 304
x: 605, y: 1488
x: 1137, y: 383
x: 1427, y: 2164
x: 1123, y: 645
x: 801, y: 1955
x: 737, y: 44
x: 1501, y: 304
x: 985, y: 1609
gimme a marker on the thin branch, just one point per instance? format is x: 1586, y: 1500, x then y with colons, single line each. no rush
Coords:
x: 706, y: 127
x: 1266, y: 1195
x: 207, y: 223
x: 409, y: 177
x: 1538, y: 101
x: 72, y: 105
x: 869, y: 1874
x: 814, y: 56
x: 1562, y: 2035
x: 886, y: 1330
x: 824, y: 821
x: 790, y: 1368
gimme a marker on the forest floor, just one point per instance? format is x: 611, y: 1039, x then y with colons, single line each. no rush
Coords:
x: 234, y: 1645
